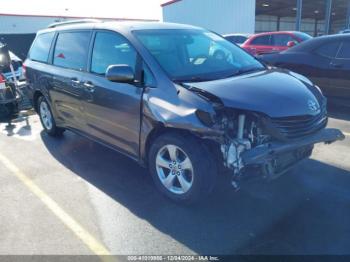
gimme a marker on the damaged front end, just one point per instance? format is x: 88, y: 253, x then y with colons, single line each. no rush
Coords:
x: 256, y: 145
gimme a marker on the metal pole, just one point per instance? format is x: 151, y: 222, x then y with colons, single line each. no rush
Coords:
x: 278, y: 23
x: 327, y: 21
x: 348, y: 17
x: 299, y: 15
x: 316, y: 27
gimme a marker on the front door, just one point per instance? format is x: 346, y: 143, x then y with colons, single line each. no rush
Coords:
x: 280, y: 42
x: 260, y: 45
x: 112, y: 110
x: 340, y: 72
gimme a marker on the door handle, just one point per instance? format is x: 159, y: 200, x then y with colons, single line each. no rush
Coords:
x: 337, y: 65
x: 89, y: 86
x: 75, y: 81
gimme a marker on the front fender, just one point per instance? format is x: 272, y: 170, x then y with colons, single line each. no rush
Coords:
x: 173, y: 110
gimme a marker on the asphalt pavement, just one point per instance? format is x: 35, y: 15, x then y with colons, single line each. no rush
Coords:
x: 73, y: 196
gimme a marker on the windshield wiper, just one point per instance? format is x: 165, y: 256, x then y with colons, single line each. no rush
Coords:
x: 249, y: 70
x: 192, y: 79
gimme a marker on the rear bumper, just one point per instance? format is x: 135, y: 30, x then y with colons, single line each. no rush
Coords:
x: 263, y: 154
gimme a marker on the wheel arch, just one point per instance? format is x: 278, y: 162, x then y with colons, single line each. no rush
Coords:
x: 37, y: 94
x: 160, y: 129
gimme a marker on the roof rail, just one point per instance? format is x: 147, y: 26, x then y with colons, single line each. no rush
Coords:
x: 73, y: 22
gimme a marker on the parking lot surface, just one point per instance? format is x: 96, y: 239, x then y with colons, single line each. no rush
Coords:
x: 73, y: 196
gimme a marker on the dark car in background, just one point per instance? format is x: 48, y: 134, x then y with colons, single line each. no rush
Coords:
x: 274, y: 42
x: 325, y: 60
x: 157, y: 93
x: 237, y: 39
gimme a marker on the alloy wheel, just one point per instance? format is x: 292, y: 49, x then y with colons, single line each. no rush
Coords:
x: 174, y: 169
x: 45, y: 115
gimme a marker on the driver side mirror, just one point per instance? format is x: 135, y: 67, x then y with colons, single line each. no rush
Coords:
x: 291, y: 44
x: 120, y: 74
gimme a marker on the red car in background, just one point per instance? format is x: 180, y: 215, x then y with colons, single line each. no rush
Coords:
x: 273, y: 42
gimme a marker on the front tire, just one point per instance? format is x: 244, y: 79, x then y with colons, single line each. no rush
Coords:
x: 182, y: 167
x: 47, y: 120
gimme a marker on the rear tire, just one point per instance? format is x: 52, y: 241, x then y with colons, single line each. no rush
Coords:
x: 182, y: 167
x: 47, y: 119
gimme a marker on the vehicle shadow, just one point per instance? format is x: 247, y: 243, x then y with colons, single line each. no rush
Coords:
x: 19, y: 126
x: 304, y: 212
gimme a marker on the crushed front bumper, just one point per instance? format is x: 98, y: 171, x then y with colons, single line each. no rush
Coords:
x: 263, y: 154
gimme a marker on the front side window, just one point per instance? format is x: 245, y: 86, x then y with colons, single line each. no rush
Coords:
x: 196, y: 55
x: 72, y: 50
x: 111, y: 49
x: 282, y: 39
x: 41, y: 47
x: 328, y: 50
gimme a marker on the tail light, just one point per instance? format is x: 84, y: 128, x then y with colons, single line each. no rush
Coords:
x: 2, y: 82
x: 24, y: 70
x: 2, y: 79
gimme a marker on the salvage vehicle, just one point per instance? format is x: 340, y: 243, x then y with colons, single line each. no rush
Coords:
x: 156, y: 93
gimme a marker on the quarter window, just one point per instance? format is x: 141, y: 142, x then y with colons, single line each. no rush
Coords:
x: 344, y: 52
x: 261, y: 40
x: 72, y: 50
x: 328, y: 50
x: 111, y: 49
x: 41, y: 47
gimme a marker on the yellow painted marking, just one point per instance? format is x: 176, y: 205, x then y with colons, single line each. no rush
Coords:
x: 96, y: 247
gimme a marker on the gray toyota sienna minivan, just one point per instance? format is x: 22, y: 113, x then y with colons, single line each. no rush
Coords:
x: 157, y: 93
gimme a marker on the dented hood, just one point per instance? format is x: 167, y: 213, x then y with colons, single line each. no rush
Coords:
x: 274, y: 92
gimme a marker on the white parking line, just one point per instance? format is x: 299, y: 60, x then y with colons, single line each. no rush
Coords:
x: 346, y: 133
x: 93, y: 244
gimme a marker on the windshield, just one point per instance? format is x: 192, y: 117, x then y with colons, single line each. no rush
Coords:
x: 303, y: 36
x: 196, y: 55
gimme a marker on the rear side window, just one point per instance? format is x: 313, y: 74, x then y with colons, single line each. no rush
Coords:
x: 328, y: 50
x: 281, y: 40
x: 344, y: 52
x: 261, y: 40
x: 236, y: 39
x: 111, y: 49
x: 71, y: 50
x: 41, y: 47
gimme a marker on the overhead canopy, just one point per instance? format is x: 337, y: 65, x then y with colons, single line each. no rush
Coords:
x: 315, y: 9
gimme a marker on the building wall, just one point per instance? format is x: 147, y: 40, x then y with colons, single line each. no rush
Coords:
x: 24, y: 24
x: 222, y: 16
